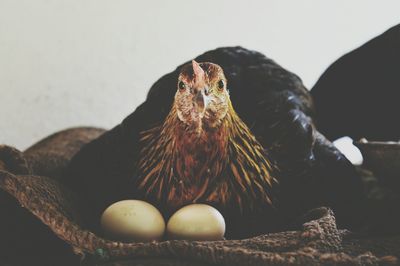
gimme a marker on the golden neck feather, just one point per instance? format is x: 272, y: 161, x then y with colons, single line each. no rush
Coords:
x: 221, y: 166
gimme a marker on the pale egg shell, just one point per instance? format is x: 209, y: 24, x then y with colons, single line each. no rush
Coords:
x: 132, y: 220
x: 196, y: 222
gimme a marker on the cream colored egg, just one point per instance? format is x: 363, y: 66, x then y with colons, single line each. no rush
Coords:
x: 196, y: 222
x: 132, y: 220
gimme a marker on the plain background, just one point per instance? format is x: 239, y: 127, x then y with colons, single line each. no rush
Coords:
x: 68, y: 63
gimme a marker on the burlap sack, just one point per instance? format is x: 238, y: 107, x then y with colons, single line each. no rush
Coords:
x: 55, y: 233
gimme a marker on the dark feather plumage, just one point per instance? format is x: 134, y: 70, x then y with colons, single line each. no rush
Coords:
x: 277, y: 109
x: 366, y: 83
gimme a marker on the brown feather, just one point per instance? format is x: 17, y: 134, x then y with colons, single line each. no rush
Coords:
x: 225, y: 166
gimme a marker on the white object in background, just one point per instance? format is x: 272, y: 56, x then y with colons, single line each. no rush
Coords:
x: 345, y: 145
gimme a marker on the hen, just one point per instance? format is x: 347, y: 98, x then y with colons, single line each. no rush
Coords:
x: 203, y: 151
x: 234, y: 131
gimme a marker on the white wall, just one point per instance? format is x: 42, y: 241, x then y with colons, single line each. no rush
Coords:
x: 90, y: 62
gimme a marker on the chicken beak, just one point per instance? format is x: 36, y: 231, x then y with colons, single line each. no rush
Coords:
x: 201, y: 101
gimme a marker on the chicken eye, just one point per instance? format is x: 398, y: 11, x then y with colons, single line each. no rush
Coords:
x: 181, y: 85
x: 221, y: 84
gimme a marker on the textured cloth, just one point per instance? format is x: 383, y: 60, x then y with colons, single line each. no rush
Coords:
x: 30, y: 179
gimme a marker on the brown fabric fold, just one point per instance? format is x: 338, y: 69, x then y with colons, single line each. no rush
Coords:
x: 31, y: 178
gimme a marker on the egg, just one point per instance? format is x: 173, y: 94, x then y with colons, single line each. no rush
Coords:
x: 196, y: 222
x: 132, y: 220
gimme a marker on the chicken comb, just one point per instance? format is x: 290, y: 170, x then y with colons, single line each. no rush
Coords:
x: 198, y: 72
